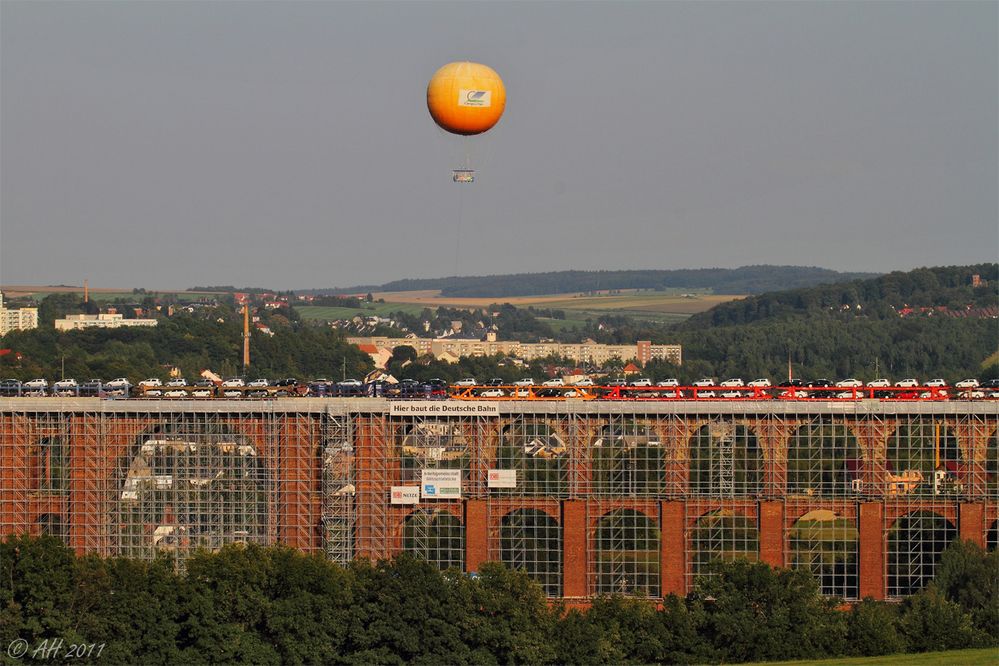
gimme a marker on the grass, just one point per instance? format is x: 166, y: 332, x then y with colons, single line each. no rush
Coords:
x: 655, y: 306
x: 330, y: 313
x: 977, y: 657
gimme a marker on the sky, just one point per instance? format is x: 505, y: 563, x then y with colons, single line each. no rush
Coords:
x: 288, y: 145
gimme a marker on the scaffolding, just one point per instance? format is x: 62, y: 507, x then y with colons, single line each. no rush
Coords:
x: 587, y: 498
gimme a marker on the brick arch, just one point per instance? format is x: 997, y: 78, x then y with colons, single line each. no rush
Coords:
x: 747, y: 460
x: 913, y: 555
x: 707, y: 540
x: 823, y: 468
x: 539, y: 552
x: 626, y: 557
x: 454, y: 553
x: 826, y: 543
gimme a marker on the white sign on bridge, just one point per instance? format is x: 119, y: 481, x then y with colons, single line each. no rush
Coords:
x: 442, y: 408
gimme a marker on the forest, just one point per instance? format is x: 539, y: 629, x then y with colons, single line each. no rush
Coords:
x: 273, y: 605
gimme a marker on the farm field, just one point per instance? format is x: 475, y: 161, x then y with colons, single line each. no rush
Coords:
x: 330, y: 313
x: 649, y: 305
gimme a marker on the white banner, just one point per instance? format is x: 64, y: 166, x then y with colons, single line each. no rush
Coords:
x: 442, y: 408
x: 440, y: 484
x: 475, y: 97
x: 405, y: 494
x: 502, y: 478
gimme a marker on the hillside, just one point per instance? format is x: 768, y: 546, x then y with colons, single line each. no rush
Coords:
x: 947, y: 291
x: 744, y: 280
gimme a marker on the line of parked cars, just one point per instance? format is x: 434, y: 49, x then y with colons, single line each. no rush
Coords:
x: 643, y: 387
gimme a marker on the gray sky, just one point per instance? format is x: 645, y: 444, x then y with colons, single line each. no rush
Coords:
x: 168, y: 144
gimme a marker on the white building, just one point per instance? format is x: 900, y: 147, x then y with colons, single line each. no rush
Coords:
x: 77, y: 322
x: 17, y: 320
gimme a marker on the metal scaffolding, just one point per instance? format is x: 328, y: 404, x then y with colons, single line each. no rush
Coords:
x: 587, y: 498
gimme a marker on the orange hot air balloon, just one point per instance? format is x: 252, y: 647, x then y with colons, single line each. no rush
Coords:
x: 466, y: 98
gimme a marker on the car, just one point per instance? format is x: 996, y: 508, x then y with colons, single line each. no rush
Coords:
x: 935, y: 383
x: 967, y: 383
x: 290, y: 381
x: 521, y: 392
x: 759, y: 383
x: 118, y: 384
x: 232, y: 394
x: 793, y: 383
x: 467, y: 381
x: 347, y: 382
x: 233, y: 382
x: 573, y: 393
x: 65, y: 385
x: 907, y: 383
x: 175, y: 393
x: 584, y: 382
x: 671, y: 382
x: 10, y: 386
x: 642, y: 381
x: 152, y: 381
x: 735, y: 381
x: 820, y: 383
x: 259, y: 383
x: 201, y: 393
x: 617, y: 382
x: 554, y: 382
x: 177, y: 381
x: 526, y: 381
x: 878, y: 383
x: 705, y: 381
x: 35, y: 384
x: 492, y: 393
x: 849, y: 383
x: 205, y: 383
x: 495, y: 381
x: 731, y: 394
x: 848, y: 395
x: 706, y: 394
x: 154, y: 393
x: 992, y: 384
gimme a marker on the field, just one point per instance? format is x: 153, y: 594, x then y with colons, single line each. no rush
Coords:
x: 658, y: 306
x: 98, y: 294
x: 979, y: 657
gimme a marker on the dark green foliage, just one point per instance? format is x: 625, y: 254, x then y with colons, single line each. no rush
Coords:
x: 872, y: 629
x: 931, y: 622
x: 274, y: 605
x: 756, y: 613
x: 743, y: 280
x: 969, y: 576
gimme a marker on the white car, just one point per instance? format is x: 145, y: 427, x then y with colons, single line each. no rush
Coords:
x: 175, y: 393
x: 554, y: 382
x: 706, y: 394
x: 670, y: 383
x: 967, y: 384
x: 64, y: 385
x: 346, y: 382
x: 935, y: 383
x: 259, y: 383
x: 642, y: 381
x: 907, y: 383
x: 178, y: 382
x: 492, y: 393
x: 732, y: 382
x: 847, y: 395
x: 706, y: 381
x: 849, y: 383
x: 233, y: 383
x: 119, y: 383
x: 232, y: 394
x: 878, y: 383
x: 467, y: 381
x: 201, y: 393
x: 584, y: 382
x: 154, y: 393
x: 527, y: 381
x: 36, y: 384
x: 731, y: 394
x: 152, y: 381
x: 759, y: 383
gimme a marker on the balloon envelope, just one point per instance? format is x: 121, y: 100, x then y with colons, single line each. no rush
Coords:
x: 466, y: 97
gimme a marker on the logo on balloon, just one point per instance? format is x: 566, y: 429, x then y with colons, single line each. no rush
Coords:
x: 480, y: 98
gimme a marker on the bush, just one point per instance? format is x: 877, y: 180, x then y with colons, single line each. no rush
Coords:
x: 969, y: 576
x: 930, y: 622
x: 872, y: 629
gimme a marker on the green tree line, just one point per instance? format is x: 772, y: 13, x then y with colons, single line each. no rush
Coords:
x: 274, y: 605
